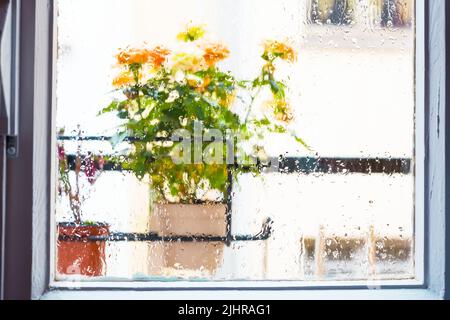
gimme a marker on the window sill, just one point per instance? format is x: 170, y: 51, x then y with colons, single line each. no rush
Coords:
x: 346, y: 294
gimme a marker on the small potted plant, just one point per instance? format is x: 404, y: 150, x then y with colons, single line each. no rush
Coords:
x: 180, y: 106
x: 77, y: 254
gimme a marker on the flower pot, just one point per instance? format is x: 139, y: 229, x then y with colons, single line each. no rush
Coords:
x: 76, y: 254
x: 187, y: 220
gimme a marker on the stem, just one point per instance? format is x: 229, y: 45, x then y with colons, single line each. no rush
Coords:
x: 249, y: 110
x: 68, y: 191
x: 75, y: 199
x: 263, y: 73
x: 67, y: 187
x: 137, y: 87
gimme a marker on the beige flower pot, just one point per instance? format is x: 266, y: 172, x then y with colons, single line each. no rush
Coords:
x: 187, y: 220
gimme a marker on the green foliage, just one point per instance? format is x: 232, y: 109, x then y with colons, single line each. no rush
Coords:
x: 176, y: 97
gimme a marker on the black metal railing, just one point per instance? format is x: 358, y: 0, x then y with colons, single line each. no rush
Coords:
x: 264, y: 234
x: 285, y: 165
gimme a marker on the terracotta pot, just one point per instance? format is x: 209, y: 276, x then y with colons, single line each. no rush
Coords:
x: 187, y: 220
x: 76, y: 254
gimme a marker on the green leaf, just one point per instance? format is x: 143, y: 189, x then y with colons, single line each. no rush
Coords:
x: 111, y: 107
x: 122, y: 114
x: 279, y: 129
x: 118, y: 138
x: 278, y: 89
x: 300, y: 140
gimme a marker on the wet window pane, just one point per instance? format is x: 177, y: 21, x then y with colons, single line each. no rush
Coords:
x: 336, y: 87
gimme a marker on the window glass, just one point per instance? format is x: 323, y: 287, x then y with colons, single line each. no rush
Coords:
x: 340, y: 208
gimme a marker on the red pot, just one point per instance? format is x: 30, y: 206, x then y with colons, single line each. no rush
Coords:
x: 77, y: 254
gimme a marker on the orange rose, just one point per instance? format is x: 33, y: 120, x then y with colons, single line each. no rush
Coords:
x: 133, y: 56
x: 215, y: 53
x: 158, y: 56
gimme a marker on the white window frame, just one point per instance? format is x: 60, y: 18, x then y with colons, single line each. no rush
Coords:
x: 27, y: 223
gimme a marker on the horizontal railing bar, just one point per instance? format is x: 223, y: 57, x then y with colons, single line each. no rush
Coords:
x: 264, y: 234
x: 126, y: 139
x: 88, y: 138
x: 309, y: 165
x: 329, y: 165
x: 345, y: 165
x: 124, y: 237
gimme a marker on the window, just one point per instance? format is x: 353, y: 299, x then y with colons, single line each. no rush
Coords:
x: 348, y: 214
x: 346, y: 211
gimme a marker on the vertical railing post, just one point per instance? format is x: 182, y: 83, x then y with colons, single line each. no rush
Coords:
x: 372, y: 251
x: 320, y: 252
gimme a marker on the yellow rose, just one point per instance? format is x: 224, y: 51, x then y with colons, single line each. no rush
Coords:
x: 188, y: 63
x: 281, y: 110
x: 192, y: 33
x: 276, y: 49
x: 124, y: 79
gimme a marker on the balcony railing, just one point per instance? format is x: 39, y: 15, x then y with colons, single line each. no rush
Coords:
x: 285, y: 165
